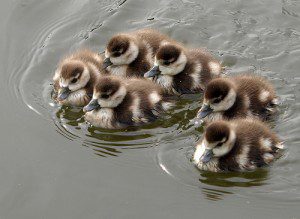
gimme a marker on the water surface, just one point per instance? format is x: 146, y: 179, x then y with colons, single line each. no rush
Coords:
x: 54, y: 165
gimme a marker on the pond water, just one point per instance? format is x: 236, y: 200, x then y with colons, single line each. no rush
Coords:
x: 53, y: 165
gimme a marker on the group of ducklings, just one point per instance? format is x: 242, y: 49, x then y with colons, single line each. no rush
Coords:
x: 135, y: 82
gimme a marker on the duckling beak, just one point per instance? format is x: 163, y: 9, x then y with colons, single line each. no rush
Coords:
x: 93, y: 104
x: 204, y: 111
x: 207, y: 156
x: 153, y: 72
x: 106, y: 63
x: 63, y: 93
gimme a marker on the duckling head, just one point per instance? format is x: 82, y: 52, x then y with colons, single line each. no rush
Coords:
x: 74, y: 75
x: 169, y: 60
x: 219, y: 139
x: 219, y: 95
x: 120, y: 50
x: 109, y: 92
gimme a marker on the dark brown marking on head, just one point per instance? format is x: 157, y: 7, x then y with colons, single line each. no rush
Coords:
x: 70, y: 70
x: 216, y: 131
x: 107, y: 86
x: 168, y: 53
x: 118, y: 45
x: 217, y: 90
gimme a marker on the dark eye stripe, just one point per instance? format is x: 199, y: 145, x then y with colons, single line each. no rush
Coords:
x: 217, y: 100
x: 105, y: 96
x: 168, y: 62
x: 74, y: 80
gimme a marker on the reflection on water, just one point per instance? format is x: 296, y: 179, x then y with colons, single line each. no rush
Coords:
x: 70, y: 123
x: 214, y: 194
x: 176, y: 162
x: 246, y: 179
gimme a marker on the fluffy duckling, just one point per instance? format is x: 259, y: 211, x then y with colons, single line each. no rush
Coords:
x: 236, y: 145
x: 237, y: 97
x: 119, y: 102
x: 180, y: 70
x: 75, y: 76
x: 132, y: 53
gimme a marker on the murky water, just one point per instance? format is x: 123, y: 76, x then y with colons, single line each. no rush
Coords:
x: 53, y: 165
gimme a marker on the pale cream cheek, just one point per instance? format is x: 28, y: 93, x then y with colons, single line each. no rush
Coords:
x: 113, y: 101
x: 82, y: 82
x: 226, y: 103
x: 121, y: 60
x: 128, y: 57
x: 220, y: 151
x: 174, y: 68
x: 167, y: 70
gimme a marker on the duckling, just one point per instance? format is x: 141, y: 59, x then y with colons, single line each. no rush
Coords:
x: 237, y: 97
x: 120, y: 102
x: 180, y: 70
x: 237, y: 145
x: 75, y: 76
x: 132, y: 53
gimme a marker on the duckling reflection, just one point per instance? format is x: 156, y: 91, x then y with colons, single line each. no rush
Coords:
x: 71, y: 116
x: 215, y: 194
x: 235, y: 179
x: 69, y: 123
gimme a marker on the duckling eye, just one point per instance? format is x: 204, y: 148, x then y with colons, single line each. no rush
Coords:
x: 74, y: 80
x: 217, y: 100
x: 219, y: 144
x: 167, y: 62
x: 117, y: 54
x: 105, y: 96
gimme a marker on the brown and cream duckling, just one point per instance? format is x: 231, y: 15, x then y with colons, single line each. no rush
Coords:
x: 237, y: 145
x: 120, y: 102
x: 132, y: 53
x: 75, y: 76
x: 237, y: 97
x: 180, y: 70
